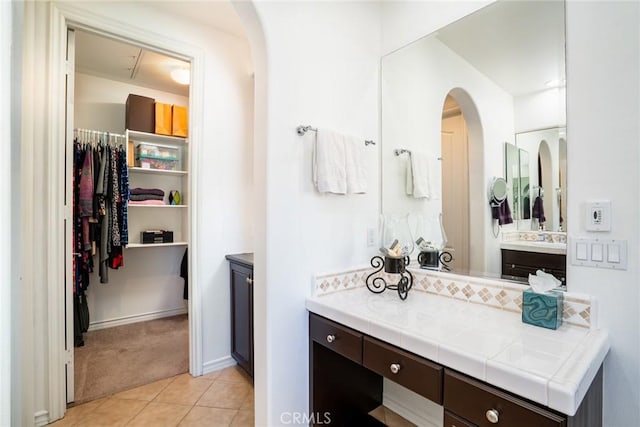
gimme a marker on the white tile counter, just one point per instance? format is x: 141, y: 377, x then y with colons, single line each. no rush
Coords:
x: 552, y: 367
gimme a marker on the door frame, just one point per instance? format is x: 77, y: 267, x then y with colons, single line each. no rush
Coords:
x: 63, y: 16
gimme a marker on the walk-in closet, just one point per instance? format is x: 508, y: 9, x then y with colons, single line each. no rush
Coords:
x: 131, y: 189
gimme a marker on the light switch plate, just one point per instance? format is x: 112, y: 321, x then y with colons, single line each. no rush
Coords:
x: 598, y: 215
x: 600, y: 253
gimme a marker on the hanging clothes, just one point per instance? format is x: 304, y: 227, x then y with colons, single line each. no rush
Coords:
x: 100, y: 219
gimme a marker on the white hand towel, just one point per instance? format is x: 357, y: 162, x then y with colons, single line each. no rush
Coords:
x: 435, y: 177
x: 420, y: 168
x: 355, y: 164
x: 329, y: 164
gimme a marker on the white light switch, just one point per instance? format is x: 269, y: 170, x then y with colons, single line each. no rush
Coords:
x: 613, y: 253
x: 581, y: 251
x: 599, y: 253
x: 596, y: 252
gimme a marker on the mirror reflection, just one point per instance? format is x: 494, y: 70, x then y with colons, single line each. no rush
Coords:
x: 450, y: 101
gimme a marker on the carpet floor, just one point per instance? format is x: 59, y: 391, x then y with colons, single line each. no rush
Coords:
x: 124, y: 357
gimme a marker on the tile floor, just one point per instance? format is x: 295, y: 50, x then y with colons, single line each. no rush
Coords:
x: 221, y: 398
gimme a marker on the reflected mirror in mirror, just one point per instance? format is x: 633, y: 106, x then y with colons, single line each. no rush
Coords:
x: 450, y: 100
x: 548, y: 148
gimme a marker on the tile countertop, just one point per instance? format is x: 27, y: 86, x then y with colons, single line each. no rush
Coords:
x: 552, y: 367
x: 533, y: 246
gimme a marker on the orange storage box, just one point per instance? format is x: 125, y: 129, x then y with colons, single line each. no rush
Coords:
x: 180, y: 121
x: 163, y: 118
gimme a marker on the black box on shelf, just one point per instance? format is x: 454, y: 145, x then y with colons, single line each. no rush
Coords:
x: 140, y: 113
x: 156, y: 236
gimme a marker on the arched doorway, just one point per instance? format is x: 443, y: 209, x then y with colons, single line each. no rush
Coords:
x: 463, y: 182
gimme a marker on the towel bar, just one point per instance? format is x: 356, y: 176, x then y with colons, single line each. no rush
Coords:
x: 301, y: 130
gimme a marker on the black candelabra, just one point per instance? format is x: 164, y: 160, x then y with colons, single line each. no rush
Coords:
x: 394, y: 266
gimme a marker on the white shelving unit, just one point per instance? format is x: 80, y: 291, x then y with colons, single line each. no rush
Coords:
x: 159, y: 217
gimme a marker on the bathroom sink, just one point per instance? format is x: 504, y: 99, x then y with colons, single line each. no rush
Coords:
x: 535, y: 246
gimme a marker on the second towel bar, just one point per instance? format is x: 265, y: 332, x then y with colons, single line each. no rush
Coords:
x: 304, y: 129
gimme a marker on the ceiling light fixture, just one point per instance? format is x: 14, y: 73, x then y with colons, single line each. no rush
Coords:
x: 181, y: 75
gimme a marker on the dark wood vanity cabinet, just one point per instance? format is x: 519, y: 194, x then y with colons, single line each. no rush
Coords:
x: 346, y: 368
x: 242, y: 310
x: 517, y: 265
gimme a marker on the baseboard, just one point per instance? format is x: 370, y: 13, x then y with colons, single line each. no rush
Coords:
x: 216, y: 365
x: 41, y: 418
x: 126, y: 320
x: 412, y: 406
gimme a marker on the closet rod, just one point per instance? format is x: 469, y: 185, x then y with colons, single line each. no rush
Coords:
x: 95, y: 136
x: 304, y: 129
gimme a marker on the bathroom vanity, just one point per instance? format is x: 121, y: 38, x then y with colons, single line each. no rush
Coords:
x: 479, y: 362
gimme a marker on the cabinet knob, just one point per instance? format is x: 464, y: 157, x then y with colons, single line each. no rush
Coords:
x: 395, y: 368
x: 513, y: 266
x: 331, y: 338
x: 493, y: 416
x: 249, y: 280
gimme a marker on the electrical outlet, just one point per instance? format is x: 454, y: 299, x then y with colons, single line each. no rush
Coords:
x: 371, y: 237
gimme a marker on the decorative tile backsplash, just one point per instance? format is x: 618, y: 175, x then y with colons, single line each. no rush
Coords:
x: 534, y: 236
x: 578, y: 309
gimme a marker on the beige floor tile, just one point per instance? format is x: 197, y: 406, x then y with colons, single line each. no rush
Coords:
x: 249, y: 402
x: 208, y: 417
x: 160, y: 414
x: 184, y: 390
x: 76, y: 414
x: 213, y: 375
x: 243, y: 419
x: 223, y: 394
x: 113, y: 412
x: 146, y: 392
x: 234, y: 374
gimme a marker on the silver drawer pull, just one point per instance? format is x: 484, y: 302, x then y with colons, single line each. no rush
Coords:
x: 492, y: 416
x: 331, y: 338
x: 395, y: 368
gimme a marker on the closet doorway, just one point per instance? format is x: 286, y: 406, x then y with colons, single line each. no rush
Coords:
x: 128, y: 169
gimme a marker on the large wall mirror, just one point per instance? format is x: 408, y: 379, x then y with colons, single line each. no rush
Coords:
x: 480, y: 98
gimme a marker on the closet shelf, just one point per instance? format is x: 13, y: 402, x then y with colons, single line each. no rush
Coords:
x: 157, y: 206
x: 136, y: 135
x: 157, y: 171
x: 154, y: 245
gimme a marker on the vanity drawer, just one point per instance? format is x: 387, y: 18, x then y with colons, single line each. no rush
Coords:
x: 338, y: 338
x: 451, y: 420
x: 413, y: 372
x: 473, y: 401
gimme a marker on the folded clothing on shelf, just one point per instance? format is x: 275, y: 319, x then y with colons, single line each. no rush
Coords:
x: 143, y: 191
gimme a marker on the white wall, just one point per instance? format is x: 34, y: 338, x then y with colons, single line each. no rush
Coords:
x: 6, y: 279
x: 149, y: 284
x: 540, y: 110
x: 406, y: 21
x: 415, y: 82
x: 323, y: 61
x: 603, y: 112
x: 100, y: 102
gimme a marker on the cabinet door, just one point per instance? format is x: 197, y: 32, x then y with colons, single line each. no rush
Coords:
x: 242, y: 316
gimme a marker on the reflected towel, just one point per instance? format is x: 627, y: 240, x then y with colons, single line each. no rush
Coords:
x: 420, y: 171
x: 502, y: 213
x: 538, y: 210
x: 354, y: 150
x: 329, y: 162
